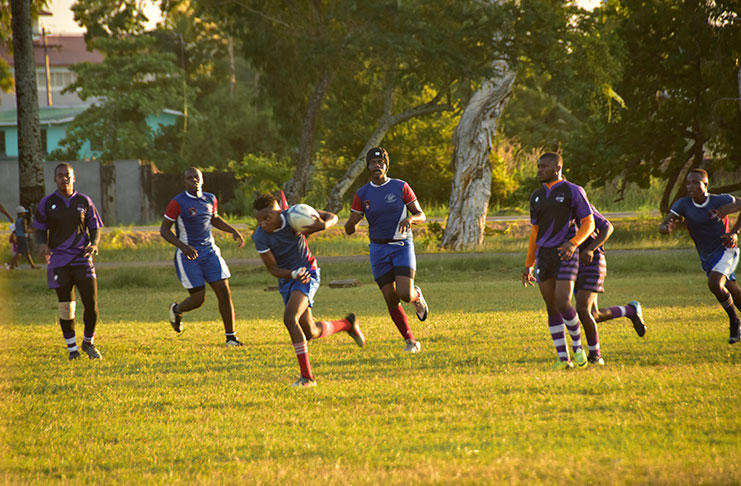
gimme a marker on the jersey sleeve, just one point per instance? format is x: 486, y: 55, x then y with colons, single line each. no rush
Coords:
x: 261, y: 242
x: 40, y: 221
x: 407, y: 194
x: 600, y: 222
x: 533, y: 217
x: 677, y: 208
x: 173, y: 210
x: 216, y: 206
x: 357, y: 204
x: 580, y: 203
x: 92, y: 217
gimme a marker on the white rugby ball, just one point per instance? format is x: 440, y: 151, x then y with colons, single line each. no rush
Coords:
x: 301, y: 215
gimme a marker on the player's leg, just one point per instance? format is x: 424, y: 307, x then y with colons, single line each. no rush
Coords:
x: 226, y: 310
x: 735, y: 328
x: 404, y: 263
x: 67, y: 306
x: 87, y: 286
x: 586, y: 302
x: 564, y: 290
x: 717, y: 283
x: 191, y: 276
x: 556, y: 326
x: 297, y: 303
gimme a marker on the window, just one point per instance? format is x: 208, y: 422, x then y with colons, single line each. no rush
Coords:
x: 57, y: 79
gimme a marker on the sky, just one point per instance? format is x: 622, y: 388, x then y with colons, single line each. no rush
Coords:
x: 63, y: 20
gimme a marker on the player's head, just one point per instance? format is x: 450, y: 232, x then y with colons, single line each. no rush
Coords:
x: 64, y: 176
x: 193, y: 180
x: 377, y: 162
x: 697, y: 183
x: 549, y: 167
x: 267, y: 212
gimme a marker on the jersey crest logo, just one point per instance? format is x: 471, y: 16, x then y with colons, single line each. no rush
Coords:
x: 366, y: 204
x: 192, y: 211
x: 389, y: 198
x: 559, y: 198
x: 537, y: 198
x: 80, y: 208
x: 54, y: 206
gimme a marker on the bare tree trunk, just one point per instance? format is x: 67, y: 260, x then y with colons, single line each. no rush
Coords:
x: 30, y: 161
x: 300, y: 183
x: 383, y: 126
x: 469, y: 197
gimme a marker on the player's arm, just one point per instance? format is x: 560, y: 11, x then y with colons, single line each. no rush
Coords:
x: 352, y: 222
x: 268, y: 259
x: 730, y: 239
x: 92, y: 246
x: 603, y: 234
x: 670, y: 222
x: 586, y: 228
x: 416, y: 216
x: 527, y: 274
x: 167, y: 234
x: 326, y: 220
x: 726, y: 209
x: 219, y: 223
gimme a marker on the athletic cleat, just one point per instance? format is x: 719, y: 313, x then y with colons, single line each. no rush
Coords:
x: 413, y: 346
x: 637, y: 320
x: 175, y: 322
x: 355, y: 331
x: 233, y: 342
x: 303, y: 382
x: 91, y: 350
x: 735, y: 332
x: 420, y: 306
x: 581, y: 359
x: 596, y: 359
x: 74, y: 355
x: 562, y: 365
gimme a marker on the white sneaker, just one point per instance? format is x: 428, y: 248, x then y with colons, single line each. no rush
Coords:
x: 413, y: 346
x: 303, y: 382
x: 420, y: 306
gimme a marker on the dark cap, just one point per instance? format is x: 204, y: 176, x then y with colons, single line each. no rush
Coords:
x: 377, y: 153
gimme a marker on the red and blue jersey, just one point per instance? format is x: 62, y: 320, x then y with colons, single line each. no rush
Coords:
x: 290, y: 249
x: 384, y: 207
x: 705, y: 229
x: 192, y: 216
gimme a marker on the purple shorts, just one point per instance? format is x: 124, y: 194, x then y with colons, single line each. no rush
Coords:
x: 591, y: 277
x: 549, y: 265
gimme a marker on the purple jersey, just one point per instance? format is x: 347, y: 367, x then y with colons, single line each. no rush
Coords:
x: 290, y: 249
x: 705, y: 230
x: 384, y: 207
x: 67, y: 220
x: 557, y: 210
x: 600, y: 223
x: 192, y: 216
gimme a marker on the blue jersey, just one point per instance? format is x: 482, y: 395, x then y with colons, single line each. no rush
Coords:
x: 20, y: 227
x: 557, y: 210
x: 705, y: 229
x: 290, y: 249
x: 192, y: 216
x: 384, y: 207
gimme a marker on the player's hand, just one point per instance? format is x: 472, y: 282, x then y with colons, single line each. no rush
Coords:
x: 405, y: 225
x: 316, y: 226
x: 189, y: 252
x: 45, y: 254
x: 730, y: 240
x: 301, y: 274
x: 237, y: 236
x: 527, y: 277
x: 90, y: 250
x: 585, y: 257
x: 566, y: 251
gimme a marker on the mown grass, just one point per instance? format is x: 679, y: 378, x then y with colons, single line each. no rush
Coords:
x: 479, y: 405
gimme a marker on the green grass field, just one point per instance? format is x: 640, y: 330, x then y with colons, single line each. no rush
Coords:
x: 478, y: 405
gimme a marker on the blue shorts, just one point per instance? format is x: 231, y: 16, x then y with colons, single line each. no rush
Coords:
x: 591, y: 277
x: 389, y: 260
x: 288, y: 285
x: 206, y: 268
x: 549, y: 265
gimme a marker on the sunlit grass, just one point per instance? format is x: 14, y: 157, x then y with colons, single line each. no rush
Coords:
x: 479, y: 405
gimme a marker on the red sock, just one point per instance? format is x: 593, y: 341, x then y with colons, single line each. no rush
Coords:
x: 302, y: 354
x: 402, y: 323
x: 331, y: 327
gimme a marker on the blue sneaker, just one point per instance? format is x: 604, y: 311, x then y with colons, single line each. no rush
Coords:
x: 637, y: 320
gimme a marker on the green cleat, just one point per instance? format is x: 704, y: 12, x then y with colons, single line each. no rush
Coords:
x: 581, y: 359
x: 562, y: 365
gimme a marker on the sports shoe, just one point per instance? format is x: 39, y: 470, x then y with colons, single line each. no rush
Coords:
x: 303, y: 382
x: 233, y: 342
x: 413, y: 346
x: 637, y: 320
x: 735, y: 332
x: 91, y: 350
x: 596, y: 359
x: 562, y: 365
x: 581, y: 358
x: 355, y: 331
x: 74, y: 355
x: 420, y: 306
x: 175, y: 319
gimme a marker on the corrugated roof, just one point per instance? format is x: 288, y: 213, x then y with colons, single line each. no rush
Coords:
x: 49, y: 115
x: 63, y: 50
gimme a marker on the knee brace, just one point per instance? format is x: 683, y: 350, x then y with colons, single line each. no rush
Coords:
x: 67, y: 310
